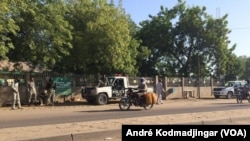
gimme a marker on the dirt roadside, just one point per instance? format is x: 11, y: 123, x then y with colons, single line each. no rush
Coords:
x: 216, y: 117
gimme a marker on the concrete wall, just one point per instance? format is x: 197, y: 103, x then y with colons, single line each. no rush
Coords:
x: 205, y: 92
x: 6, y: 94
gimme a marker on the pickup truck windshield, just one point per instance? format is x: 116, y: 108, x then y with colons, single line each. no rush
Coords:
x: 229, y: 84
x: 235, y: 84
x: 110, y: 81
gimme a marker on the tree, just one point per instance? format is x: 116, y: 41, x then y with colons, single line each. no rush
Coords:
x: 7, y: 27
x: 234, y: 67
x: 245, y: 63
x: 44, y: 35
x: 185, y: 40
x: 247, y: 69
x: 102, y: 42
x: 156, y: 34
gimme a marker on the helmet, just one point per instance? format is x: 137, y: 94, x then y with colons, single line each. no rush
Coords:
x: 142, y: 80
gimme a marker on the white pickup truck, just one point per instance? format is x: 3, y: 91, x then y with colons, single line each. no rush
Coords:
x: 114, y: 88
x: 228, y: 89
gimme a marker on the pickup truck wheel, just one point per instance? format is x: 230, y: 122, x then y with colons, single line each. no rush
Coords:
x: 229, y: 95
x: 102, y: 99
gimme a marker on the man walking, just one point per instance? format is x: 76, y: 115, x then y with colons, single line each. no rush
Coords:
x: 51, y: 89
x: 159, y: 91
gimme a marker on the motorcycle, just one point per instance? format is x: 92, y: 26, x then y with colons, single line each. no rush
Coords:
x: 242, y: 95
x: 132, y: 98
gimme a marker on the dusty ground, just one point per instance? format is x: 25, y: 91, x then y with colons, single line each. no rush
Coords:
x: 29, y: 133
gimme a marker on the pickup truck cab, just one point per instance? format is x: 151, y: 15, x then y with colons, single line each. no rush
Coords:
x: 228, y: 90
x: 114, y: 88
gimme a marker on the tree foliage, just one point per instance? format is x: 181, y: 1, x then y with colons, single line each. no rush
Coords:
x: 43, y: 36
x: 102, y: 39
x: 7, y: 26
x: 96, y: 36
x: 185, y: 41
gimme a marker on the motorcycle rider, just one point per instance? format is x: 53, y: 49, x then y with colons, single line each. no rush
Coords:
x: 246, y: 88
x: 142, y: 87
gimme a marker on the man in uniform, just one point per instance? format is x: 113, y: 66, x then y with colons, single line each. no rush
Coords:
x: 32, y: 90
x: 51, y: 90
x: 16, y: 96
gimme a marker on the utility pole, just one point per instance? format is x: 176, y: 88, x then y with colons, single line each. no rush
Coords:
x: 198, y: 70
x: 217, y: 13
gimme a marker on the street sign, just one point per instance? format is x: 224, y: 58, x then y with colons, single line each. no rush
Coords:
x: 63, y: 86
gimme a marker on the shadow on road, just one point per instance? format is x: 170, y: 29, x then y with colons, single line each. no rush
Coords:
x: 114, y: 110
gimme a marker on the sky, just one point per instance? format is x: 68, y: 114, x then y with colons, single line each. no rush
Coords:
x: 237, y: 10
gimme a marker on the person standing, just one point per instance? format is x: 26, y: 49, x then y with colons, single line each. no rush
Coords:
x: 159, y: 91
x: 32, y: 90
x: 50, y: 87
x: 16, y: 96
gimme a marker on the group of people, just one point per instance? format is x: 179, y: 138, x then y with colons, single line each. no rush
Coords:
x: 46, y: 96
x: 159, y: 89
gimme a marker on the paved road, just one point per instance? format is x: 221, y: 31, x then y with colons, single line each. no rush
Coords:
x: 31, y: 116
